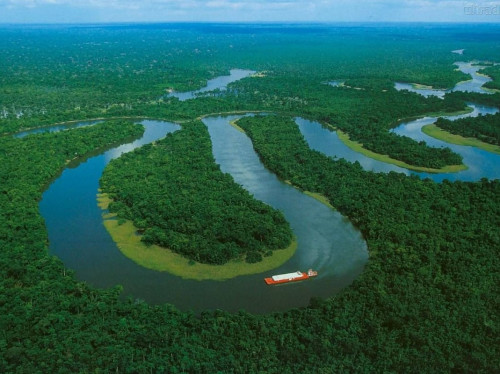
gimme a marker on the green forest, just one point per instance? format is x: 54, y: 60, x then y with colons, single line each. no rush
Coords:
x: 187, y: 204
x: 484, y: 128
x: 426, y: 302
x: 494, y: 73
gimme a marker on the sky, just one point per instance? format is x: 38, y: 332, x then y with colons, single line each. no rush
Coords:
x: 108, y: 11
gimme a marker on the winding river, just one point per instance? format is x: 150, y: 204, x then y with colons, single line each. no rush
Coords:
x: 475, y: 84
x: 480, y: 163
x: 218, y: 83
x: 326, y: 241
x: 55, y: 128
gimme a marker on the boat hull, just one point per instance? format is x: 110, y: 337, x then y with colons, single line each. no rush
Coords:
x: 270, y: 280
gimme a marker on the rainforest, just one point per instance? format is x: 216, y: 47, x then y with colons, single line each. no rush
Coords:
x: 153, y: 257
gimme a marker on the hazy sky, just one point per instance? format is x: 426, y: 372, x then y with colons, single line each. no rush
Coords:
x: 95, y: 11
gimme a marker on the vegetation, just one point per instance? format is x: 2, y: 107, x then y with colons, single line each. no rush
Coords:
x: 483, y: 128
x: 162, y: 259
x: 98, y: 74
x: 385, y: 158
x: 494, y: 73
x: 29, y: 163
x: 491, y: 100
x: 436, y: 132
x: 179, y: 199
x: 365, y: 115
x: 427, y: 301
x: 422, y: 237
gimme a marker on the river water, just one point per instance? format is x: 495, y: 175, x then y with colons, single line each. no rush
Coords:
x: 326, y: 241
x: 480, y: 163
x: 218, y: 83
x: 55, y: 128
x: 475, y: 84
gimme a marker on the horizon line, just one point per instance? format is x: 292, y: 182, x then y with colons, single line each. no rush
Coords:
x: 291, y: 22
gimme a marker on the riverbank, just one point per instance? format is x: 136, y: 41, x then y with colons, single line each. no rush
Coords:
x: 76, y: 121
x: 315, y: 195
x: 235, y: 125
x: 154, y: 257
x: 358, y: 147
x: 436, y: 132
x: 319, y: 197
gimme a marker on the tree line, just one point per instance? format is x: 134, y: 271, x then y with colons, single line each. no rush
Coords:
x: 428, y: 298
x: 426, y: 301
x: 179, y: 199
x: 484, y: 128
x: 432, y: 251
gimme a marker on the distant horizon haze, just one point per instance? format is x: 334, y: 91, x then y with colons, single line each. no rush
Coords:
x: 243, y: 11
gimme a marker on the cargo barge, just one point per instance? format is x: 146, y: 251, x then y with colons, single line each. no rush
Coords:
x: 290, y: 277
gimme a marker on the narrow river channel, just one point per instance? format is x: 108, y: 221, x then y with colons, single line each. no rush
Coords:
x: 480, y: 163
x: 218, y: 83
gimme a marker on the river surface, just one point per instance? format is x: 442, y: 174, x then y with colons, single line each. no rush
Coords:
x: 475, y: 84
x: 480, y: 163
x: 55, y: 128
x: 219, y: 83
x: 327, y: 241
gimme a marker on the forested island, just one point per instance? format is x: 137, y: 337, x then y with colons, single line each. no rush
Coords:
x: 187, y: 204
x: 427, y: 300
x: 483, y: 128
x: 494, y: 72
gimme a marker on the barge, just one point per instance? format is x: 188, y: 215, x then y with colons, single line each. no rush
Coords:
x: 290, y: 277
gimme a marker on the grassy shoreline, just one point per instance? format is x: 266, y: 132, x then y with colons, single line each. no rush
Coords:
x: 235, y: 125
x: 162, y: 259
x: 321, y: 198
x: 467, y: 110
x: 438, y: 133
x: 315, y: 195
x: 420, y: 86
x: 358, y: 147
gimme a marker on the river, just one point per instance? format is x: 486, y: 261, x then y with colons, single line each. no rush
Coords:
x: 475, y: 84
x: 480, y: 163
x: 218, y: 83
x: 326, y: 241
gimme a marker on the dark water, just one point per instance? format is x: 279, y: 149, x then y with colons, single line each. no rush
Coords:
x: 326, y: 141
x: 327, y: 241
x: 480, y: 163
x: 213, y: 84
